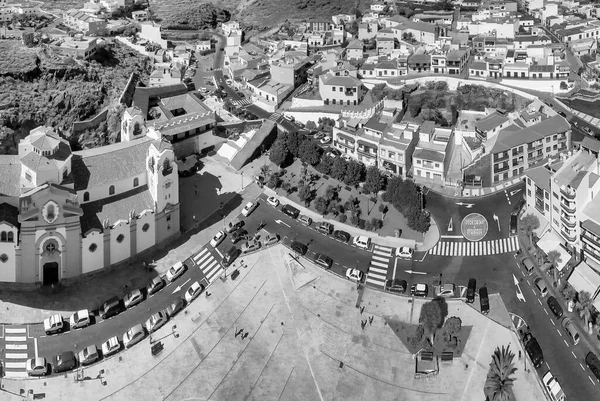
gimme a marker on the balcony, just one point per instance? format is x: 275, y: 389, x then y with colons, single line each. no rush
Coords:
x: 567, y: 192
x: 567, y: 221
x: 364, y: 152
x: 498, y: 157
x: 535, y: 145
x: 589, y: 240
x: 344, y: 144
x: 568, y: 207
x: 501, y: 169
x: 571, y: 237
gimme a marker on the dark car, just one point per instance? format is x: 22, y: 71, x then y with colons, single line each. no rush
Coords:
x: 299, y: 247
x: 555, y: 307
x: 563, y: 114
x: 238, y: 235
x: 471, y: 289
x: 155, y: 285
x: 513, y: 224
x: 593, y: 363
x: 325, y: 228
x: 341, y: 235
x: 484, y: 300
x: 534, y: 350
x: 398, y: 286
x: 231, y: 255
x: 517, y: 209
x: 111, y: 308
x: 175, y: 306
x: 63, y: 362
x: 290, y: 211
x: 323, y: 260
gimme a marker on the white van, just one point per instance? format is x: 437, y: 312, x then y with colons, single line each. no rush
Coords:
x: 404, y: 252
x: 362, y: 241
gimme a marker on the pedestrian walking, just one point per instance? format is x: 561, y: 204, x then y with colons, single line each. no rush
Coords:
x: 362, y: 310
x: 240, y: 331
x: 208, y: 294
x: 363, y: 323
x: 370, y: 320
x: 245, y: 335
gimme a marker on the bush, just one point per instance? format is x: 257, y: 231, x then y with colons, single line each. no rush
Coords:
x: 354, y: 220
x: 274, y: 181
x: 321, y: 205
x: 342, y: 218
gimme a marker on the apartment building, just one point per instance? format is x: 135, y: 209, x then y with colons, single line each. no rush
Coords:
x: 355, y: 50
x: 396, y: 148
x: 419, y: 31
x: 432, y: 154
x: 341, y: 89
x: 517, y: 148
x: 83, y: 22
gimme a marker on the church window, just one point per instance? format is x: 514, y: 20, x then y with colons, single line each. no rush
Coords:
x: 50, y: 212
x: 169, y: 217
x: 86, y: 196
x: 145, y: 227
x: 93, y: 248
x: 111, y: 190
x: 65, y: 173
x: 11, y: 236
x: 3, y: 236
x: 28, y: 177
x: 136, y: 182
x: 4, y: 258
x: 151, y: 164
x: 120, y: 238
x: 137, y: 130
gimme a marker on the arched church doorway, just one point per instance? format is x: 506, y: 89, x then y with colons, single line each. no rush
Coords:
x: 50, y: 272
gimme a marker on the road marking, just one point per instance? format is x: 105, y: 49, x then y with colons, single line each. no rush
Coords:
x: 545, y: 311
x: 15, y: 339
x: 532, y: 290
x: 582, y: 368
x: 528, y: 281
x: 559, y: 333
x: 16, y: 331
x: 16, y: 375
x: 16, y: 347
x: 591, y: 380
x: 541, y: 303
x: 566, y: 343
x: 574, y: 356
x: 553, y: 324
x: 219, y: 252
x: 15, y: 356
x: 15, y: 365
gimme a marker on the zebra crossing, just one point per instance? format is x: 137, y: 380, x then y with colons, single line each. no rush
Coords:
x: 380, y: 261
x: 242, y: 102
x: 207, y: 264
x: 276, y: 117
x: 479, y: 248
x: 16, y: 351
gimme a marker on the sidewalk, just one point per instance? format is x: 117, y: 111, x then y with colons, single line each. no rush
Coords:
x: 472, y: 193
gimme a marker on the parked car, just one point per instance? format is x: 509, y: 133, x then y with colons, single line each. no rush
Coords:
x: 341, y: 235
x: 88, y: 355
x: 319, y: 135
x: 217, y: 239
x: 299, y: 247
x: 593, y: 363
x: 588, y: 130
x: 553, y: 386
x: 176, y: 271
x: 249, y: 208
x: 513, y: 224
x: 37, y: 366
x: 273, y: 201
x: 250, y: 246
x: 445, y: 290
x: 471, y: 289
x: 571, y: 330
x: 53, y: 324
x: 528, y: 265
x: 112, y: 307
x: 192, y: 293
x: 133, y: 336
x: 175, y: 307
x: 325, y: 228
x: 354, y: 274
x: 396, y: 285
x: 362, y: 241
x: 111, y: 346
x: 534, y: 350
x: 235, y: 225
x: 63, y: 362
x: 541, y: 286
x: 563, y: 114
x: 484, y: 300
x: 404, y: 252
x: 419, y: 290
x: 305, y: 220
x: 238, y: 235
x: 323, y: 260
x: 290, y: 211
x: 155, y: 285
x: 554, y: 306
x: 270, y: 239
x: 80, y: 319
x: 325, y: 140
x: 133, y: 298
x: 156, y: 321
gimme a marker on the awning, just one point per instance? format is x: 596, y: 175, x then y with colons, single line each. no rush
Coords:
x: 367, y: 145
x: 551, y: 241
x: 584, y: 278
x: 345, y: 137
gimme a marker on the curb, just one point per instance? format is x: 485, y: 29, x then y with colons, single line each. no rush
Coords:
x: 474, y: 197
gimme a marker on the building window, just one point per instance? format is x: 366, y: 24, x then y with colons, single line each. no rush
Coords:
x: 11, y: 236
x: 120, y: 238
x: 4, y: 258
x: 547, y: 208
x: 136, y: 182
x: 3, y: 236
x: 145, y: 227
x: 111, y: 190
x: 169, y: 217
x: 93, y: 248
x: 333, y: 88
x: 28, y: 177
x: 555, y: 195
x: 86, y: 196
x: 546, y: 195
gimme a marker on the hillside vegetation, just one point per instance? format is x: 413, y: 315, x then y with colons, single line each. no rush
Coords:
x: 39, y: 88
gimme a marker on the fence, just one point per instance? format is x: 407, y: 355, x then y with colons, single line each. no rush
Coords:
x: 92, y: 123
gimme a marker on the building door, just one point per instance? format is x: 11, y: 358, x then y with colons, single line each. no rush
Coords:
x: 50, y: 273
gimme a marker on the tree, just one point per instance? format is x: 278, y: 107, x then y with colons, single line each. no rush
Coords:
x: 321, y: 205
x: 499, y: 382
x: 305, y: 194
x: 431, y: 318
x: 584, y: 306
x: 570, y: 293
x: 355, y: 172
x: 383, y: 208
x: 324, y: 166
x: 310, y: 152
x: 293, y: 140
x: 279, y: 152
x: 287, y: 187
x: 274, y: 181
x: 554, y: 258
x: 338, y: 169
x: 334, y: 208
x: 331, y: 193
x: 373, y: 180
x: 529, y: 223
x: 311, y: 125
x: 452, y: 327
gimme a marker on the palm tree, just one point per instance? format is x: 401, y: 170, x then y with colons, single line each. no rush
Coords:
x: 499, y: 381
x: 554, y: 258
x: 530, y: 223
x: 584, y: 306
x: 431, y: 318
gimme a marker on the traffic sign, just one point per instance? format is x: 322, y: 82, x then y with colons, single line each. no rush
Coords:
x: 474, y: 227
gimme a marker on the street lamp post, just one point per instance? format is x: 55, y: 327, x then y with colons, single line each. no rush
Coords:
x: 242, y: 174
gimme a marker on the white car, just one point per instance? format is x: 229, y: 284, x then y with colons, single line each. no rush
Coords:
x: 445, y: 290
x: 553, y: 387
x: 156, y: 321
x: 273, y: 201
x: 194, y: 290
x: 80, y: 319
x: 133, y: 336
x: 354, y: 274
x: 133, y: 298
x: 175, y: 271
x: 250, y: 246
x: 249, y: 208
x: 111, y: 346
x: 404, y: 252
x: 53, y: 324
x: 229, y: 82
x: 88, y: 355
x: 37, y: 366
x: 217, y: 239
x: 362, y: 241
x: 325, y: 140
